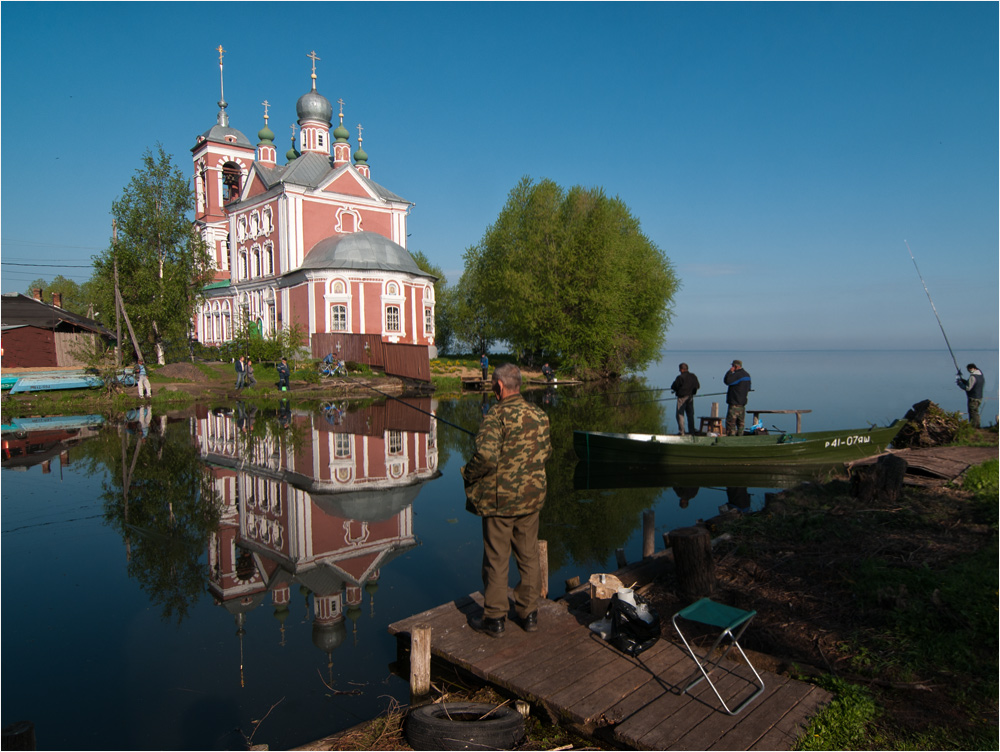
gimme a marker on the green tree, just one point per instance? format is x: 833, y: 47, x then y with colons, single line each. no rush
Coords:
x: 162, y: 261
x: 569, y: 276
x: 75, y: 297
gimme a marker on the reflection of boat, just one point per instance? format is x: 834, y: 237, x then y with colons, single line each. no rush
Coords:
x: 32, y: 441
x: 607, y: 475
x: 555, y: 382
x: 816, y: 448
x: 52, y: 423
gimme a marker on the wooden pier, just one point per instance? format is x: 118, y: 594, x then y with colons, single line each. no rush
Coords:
x: 582, y: 681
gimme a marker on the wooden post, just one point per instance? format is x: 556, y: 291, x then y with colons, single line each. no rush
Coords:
x: 882, y: 480
x: 620, y: 558
x: 20, y: 735
x: 420, y: 665
x: 572, y: 583
x: 648, y: 533
x: 666, y: 540
x: 693, y: 563
x: 543, y: 565
x: 715, y: 409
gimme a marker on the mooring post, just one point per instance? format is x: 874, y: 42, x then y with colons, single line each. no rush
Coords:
x: 648, y: 533
x: 693, y: 563
x: 715, y: 409
x: 543, y: 565
x: 620, y: 558
x: 420, y: 665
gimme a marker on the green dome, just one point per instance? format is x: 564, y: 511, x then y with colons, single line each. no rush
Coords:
x: 360, y: 156
x: 292, y: 154
x: 341, y: 133
x: 266, y: 135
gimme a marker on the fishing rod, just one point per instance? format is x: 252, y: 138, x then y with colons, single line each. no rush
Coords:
x: 957, y: 369
x: 414, y: 407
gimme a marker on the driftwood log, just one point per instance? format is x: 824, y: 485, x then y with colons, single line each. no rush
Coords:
x: 694, y: 568
x: 882, y: 480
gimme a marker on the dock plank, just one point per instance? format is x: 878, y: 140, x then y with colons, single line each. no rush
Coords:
x: 577, y: 677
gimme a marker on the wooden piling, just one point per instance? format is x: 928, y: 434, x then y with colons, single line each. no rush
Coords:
x: 692, y: 547
x: 543, y: 563
x: 420, y: 665
x: 648, y: 533
x: 20, y: 735
x: 620, y: 558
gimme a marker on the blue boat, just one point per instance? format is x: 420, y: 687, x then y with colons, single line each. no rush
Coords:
x: 50, y: 380
x: 52, y: 423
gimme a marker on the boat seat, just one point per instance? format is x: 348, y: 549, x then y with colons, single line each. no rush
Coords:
x: 731, y: 622
x: 713, y: 425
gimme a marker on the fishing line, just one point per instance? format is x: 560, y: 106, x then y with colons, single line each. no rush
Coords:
x: 414, y: 407
x: 959, y: 370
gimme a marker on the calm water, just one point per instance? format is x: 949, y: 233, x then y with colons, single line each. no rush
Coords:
x: 172, y: 580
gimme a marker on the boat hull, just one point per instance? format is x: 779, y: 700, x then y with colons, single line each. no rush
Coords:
x: 818, y: 448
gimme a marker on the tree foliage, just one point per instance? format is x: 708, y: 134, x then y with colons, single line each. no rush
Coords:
x: 162, y: 261
x: 76, y: 298
x: 568, y: 276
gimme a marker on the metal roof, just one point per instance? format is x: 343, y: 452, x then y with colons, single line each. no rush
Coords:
x: 361, y: 250
x: 20, y: 310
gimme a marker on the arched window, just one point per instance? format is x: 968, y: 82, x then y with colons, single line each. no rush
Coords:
x: 268, y: 258
x: 338, y: 318
x: 392, y: 319
x: 243, y: 265
x: 231, y: 181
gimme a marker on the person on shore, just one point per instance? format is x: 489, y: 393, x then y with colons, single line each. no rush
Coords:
x: 738, y: 382
x: 685, y: 386
x: 973, y: 387
x: 142, y: 380
x: 505, y: 484
x: 548, y: 373
x: 484, y: 365
x: 283, y: 374
x: 249, y: 380
x: 240, y: 373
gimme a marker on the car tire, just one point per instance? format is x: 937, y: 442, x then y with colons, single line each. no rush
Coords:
x: 464, y: 725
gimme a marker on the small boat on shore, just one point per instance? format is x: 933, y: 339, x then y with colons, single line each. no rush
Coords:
x: 815, y: 448
x: 44, y: 381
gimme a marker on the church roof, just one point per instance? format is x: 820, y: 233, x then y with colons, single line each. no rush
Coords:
x: 217, y: 134
x: 361, y: 250
x: 312, y: 170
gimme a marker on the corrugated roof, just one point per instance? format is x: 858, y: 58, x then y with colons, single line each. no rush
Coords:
x: 20, y: 310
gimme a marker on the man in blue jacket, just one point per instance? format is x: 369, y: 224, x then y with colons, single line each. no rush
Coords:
x: 738, y: 382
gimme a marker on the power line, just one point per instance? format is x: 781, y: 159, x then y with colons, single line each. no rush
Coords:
x: 58, y: 266
x: 40, y: 244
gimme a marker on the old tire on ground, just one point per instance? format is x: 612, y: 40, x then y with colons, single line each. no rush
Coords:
x: 464, y: 725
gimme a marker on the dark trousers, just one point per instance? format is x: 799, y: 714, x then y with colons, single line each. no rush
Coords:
x: 685, y: 406
x: 501, y: 536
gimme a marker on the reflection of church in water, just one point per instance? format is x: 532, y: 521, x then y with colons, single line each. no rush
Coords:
x: 317, y: 509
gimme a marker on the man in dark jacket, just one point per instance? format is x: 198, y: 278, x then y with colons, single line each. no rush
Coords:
x: 973, y: 387
x: 505, y: 485
x: 283, y: 374
x: 738, y: 382
x: 685, y: 386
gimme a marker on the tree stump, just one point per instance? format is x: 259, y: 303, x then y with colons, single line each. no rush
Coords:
x: 20, y: 735
x: 692, y: 547
x: 882, y: 480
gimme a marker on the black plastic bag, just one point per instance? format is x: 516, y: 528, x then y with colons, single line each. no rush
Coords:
x: 630, y: 633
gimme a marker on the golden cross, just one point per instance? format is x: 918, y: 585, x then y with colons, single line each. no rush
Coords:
x: 220, y: 50
x: 266, y: 105
x: 359, y: 132
x: 341, y: 103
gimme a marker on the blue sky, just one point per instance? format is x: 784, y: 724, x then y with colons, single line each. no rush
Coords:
x: 779, y: 153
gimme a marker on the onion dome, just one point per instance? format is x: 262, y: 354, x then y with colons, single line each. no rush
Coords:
x: 360, y: 156
x: 314, y: 106
x: 341, y: 133
x: 328, y: 637
x: 266, y: 135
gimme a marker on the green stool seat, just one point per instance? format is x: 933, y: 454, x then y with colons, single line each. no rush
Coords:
x: 731, y: 622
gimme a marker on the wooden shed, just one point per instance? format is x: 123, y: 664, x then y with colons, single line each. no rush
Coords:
x: 41, y: 335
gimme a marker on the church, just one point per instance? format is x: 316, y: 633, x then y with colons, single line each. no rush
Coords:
x: 314, y: 242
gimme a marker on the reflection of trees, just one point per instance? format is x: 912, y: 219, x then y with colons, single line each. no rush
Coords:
x: 159, y: 498
x: 581, y: 526
x: 587, y: 525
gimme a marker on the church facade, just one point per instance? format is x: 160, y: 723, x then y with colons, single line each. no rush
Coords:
x: 313, y: 242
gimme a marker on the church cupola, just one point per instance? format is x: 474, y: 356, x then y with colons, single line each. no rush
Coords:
x: 341, y: 149
x: 361, y: 157
x: 292, y: 154
x: 267, y: 154
x: 315, y: 113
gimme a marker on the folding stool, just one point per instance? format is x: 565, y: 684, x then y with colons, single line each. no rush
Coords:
x: 726, y: 618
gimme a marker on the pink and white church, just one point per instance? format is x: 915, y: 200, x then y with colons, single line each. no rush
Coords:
x: 314, y: 242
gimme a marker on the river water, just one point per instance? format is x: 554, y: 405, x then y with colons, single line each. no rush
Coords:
x: 195, y: 581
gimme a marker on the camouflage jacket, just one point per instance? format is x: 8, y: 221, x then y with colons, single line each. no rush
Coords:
x: 506, y: 475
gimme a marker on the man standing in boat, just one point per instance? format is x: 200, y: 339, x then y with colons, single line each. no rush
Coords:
x: 505, y: 485
x: 685, y: 386
x: 973, y: 387
x: 738, y: 382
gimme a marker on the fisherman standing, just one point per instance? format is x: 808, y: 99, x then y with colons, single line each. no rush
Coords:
x: 685, y: 386
x: 738, y: 382
x: 973, y: 387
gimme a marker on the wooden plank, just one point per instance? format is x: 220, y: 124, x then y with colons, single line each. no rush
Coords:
x: 762, y: 716
x: 710, y: 731
x: 785, y: 733
x: 577, y: 669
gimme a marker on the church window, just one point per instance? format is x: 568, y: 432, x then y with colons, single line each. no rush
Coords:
x: 428, y: 321
x: 338, y: 318
x: 395, y: 442
x: 268, y: 258
x: 243, y: 265
x: 342, y: 445
x: 255, y: 261
x: 392, y: 319
x: 231, y: 178
x: 391, y: 289
x: 266, y: 221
